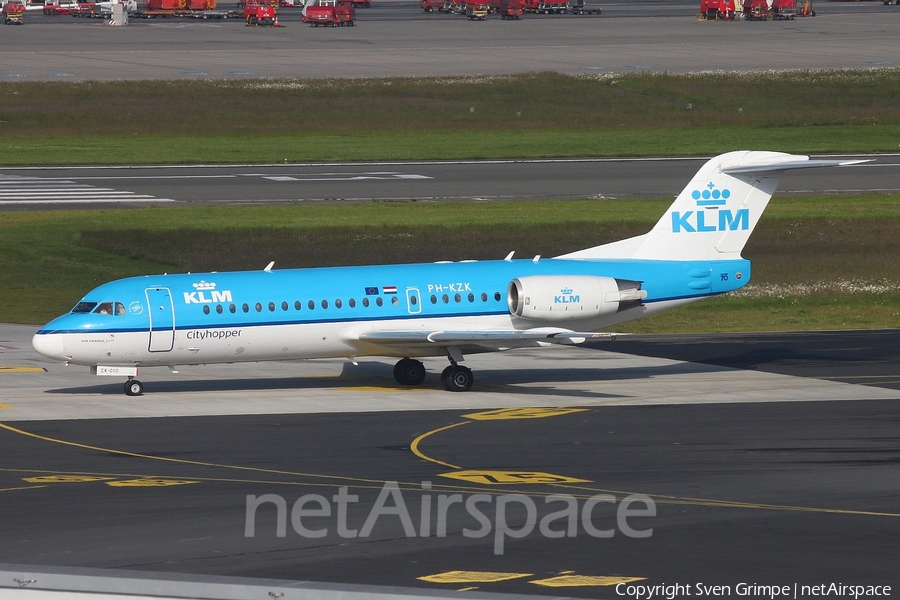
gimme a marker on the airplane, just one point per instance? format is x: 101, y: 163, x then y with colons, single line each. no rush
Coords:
x: 409, y: 311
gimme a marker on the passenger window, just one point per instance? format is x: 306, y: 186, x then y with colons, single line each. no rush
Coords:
x: 232, y: 308
x: 413, y: 300
x: 219, y: 308
x: 366, y: 302
x: 206, y: 309
x: 338, y: 303
x: 105, y: 308
x: 271, y: 307
x: 379, y: 301
x: 497, y: 296
x: 258, y: 307
x: 284, y: 306
x: 394, y: 300
x: 483, y: 297
x: 352, y: 303
x: 445, y: 299
x: 120, y: 309
x: 324, y: 303
x: 297, y: 305
x: 471, y: 297
x: 311, y: 305
x: 433, y: 299
x: 245, y: 307
x: 457, y: 298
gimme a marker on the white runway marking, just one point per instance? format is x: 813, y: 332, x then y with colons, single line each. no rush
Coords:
x: 36, y: 190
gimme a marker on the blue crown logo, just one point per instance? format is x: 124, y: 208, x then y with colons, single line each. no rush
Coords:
x: 711, y: 196
x: 566, y: 290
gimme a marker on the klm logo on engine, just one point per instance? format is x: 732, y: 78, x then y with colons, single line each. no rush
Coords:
x: 724, y: 219
x: 566, y: 297
x: 200, y: 296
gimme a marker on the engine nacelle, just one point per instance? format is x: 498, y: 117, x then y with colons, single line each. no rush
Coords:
x: 567, y: 297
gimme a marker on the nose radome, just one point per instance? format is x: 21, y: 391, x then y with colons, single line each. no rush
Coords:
x: 48, y: 344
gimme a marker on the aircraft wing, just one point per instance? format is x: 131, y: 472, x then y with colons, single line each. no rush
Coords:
x: 488, y: 339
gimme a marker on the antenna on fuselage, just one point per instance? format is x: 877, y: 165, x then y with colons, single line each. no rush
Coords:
x: 269, y: 266
x: 509, y: 256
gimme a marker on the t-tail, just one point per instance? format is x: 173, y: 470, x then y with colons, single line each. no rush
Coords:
x: 713, y: 216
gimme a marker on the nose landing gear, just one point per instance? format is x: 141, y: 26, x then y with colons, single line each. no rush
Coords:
x: 133, y: 387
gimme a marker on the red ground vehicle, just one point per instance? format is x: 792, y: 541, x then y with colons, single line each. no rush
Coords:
x: 12, y: 12
x: 60, y: 7
x: 476, y: 10
x: 508, y: 9
x: 328, y: 12
x: 756, y: 10
x: 433, y: 5
x: 546, y: 6
x: 260, y: 14
x: 717, y: 10
x: 783, y: 9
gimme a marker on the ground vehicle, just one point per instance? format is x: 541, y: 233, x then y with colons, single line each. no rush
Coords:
x: 476, y: 10
x: 783, y: 9
x: 718, y: 10
x: 508, y: 9
x: 260, y: 14
x: 12, y: 12
x: 432, y: 5
x: 756, y: 10
x: 546, y: 6
x: 60, y: 7
x: 806, y: 9
x: 328, y: 12
x: 578, y: 7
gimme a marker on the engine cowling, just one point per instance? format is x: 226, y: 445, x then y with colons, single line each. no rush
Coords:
x: 568, y: 297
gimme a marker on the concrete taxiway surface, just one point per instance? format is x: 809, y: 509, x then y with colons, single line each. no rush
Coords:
x: 35, y: 388
x: 774, y: 460
x: 397, y: 39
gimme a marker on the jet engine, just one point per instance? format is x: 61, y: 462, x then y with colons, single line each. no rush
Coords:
x: 567, y: 297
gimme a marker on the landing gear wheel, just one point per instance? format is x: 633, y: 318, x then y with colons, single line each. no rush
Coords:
x: 133, y: 387
x: 457, y: 379
x: 409, y: 372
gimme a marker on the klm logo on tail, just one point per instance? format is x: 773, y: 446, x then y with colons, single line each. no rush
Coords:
x: 691, y: 221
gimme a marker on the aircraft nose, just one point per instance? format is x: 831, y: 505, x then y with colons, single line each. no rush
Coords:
x: 49, y: 344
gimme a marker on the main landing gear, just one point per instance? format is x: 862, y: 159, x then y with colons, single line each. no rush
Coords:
x: 133, y: 387
x: 455, y: 378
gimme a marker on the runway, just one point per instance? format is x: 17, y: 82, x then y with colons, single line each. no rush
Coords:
x: 472, y: 181
x: 756, y: 475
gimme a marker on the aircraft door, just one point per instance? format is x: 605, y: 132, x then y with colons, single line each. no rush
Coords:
x: 162, y: 319
x: 413, y: 301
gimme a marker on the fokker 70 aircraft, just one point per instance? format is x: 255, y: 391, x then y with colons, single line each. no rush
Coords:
x: 440, y: 309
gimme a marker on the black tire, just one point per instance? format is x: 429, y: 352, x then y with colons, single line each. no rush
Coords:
x: 459, y: 379
x: 133, y: 387
x: 409, y: 372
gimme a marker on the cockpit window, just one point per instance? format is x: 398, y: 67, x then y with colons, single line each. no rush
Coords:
x: 120, y: 309
x: 84, y: 307
x: 104, y: 308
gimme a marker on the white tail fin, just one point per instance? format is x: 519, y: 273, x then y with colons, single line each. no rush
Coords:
x: 713, y: 217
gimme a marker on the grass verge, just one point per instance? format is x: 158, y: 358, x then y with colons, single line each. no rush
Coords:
x: 536, y: 115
